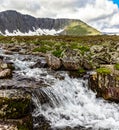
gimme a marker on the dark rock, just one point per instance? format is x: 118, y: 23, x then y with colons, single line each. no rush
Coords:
x: 40, y: 63
x: 41, y: 123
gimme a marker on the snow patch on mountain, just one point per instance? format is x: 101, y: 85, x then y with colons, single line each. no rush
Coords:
x: 32, y: 33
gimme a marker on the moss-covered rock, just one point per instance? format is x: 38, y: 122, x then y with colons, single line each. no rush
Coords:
x: 14, y: 104
x: 105, y: 82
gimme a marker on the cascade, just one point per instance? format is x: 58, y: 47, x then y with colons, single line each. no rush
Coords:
x: 70, y: 103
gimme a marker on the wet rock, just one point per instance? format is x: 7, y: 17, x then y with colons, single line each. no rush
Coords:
x: 42, y: 96
x: 59, y: 76
x: 14, y: 104
x: 53, y: 62
x: 70, y: 128
x: 40, y: 63
x: 41, y: 123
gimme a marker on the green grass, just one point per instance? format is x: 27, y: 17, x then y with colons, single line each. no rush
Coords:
x: 77, y: 28
x: 117, y: 66
x: 103, y: 70
x: 81, y: 71
x: 43, y: 49
x: 83, y: 49
x: 57, y: 53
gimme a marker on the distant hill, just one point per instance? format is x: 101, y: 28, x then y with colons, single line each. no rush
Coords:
x: 15, y: 23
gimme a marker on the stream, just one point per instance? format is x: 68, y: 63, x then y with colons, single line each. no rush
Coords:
x: 60, y: 104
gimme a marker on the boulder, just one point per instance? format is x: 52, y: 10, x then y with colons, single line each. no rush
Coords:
x: 105, y: 82
x: 6, y: 69
x: 53, y: 62
x: 14, y: 104
x: 7, y: 73
x: 71, y: 63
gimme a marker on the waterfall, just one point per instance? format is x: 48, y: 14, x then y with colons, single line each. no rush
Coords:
x: 70, y: 103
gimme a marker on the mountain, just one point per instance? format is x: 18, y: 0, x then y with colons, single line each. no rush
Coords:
x: 15, y: 23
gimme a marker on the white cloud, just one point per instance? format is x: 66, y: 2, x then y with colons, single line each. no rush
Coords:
x: 102, y: 14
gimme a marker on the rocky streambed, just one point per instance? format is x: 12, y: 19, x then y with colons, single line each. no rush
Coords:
x: 43, y: 92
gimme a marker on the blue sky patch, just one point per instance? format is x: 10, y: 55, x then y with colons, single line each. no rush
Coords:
x: 116, y: 2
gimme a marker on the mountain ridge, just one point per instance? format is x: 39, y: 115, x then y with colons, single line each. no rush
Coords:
x: 13, y: 22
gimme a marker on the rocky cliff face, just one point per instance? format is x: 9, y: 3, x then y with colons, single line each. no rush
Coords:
x: 13, y: 22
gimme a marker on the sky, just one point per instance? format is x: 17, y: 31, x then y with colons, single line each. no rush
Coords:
x: 101, y: 14
x: 116, y: 2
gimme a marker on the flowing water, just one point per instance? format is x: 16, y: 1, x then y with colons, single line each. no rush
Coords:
x: 72, y: 104
x: 66, y: 102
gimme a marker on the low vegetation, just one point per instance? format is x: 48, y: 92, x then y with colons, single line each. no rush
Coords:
x: 75, y: 47
x: 77, y: 28
x: 117, y: 66
x: 103, y: 70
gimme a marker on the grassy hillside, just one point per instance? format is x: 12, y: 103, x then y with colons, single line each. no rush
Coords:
x: 79, y: 28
